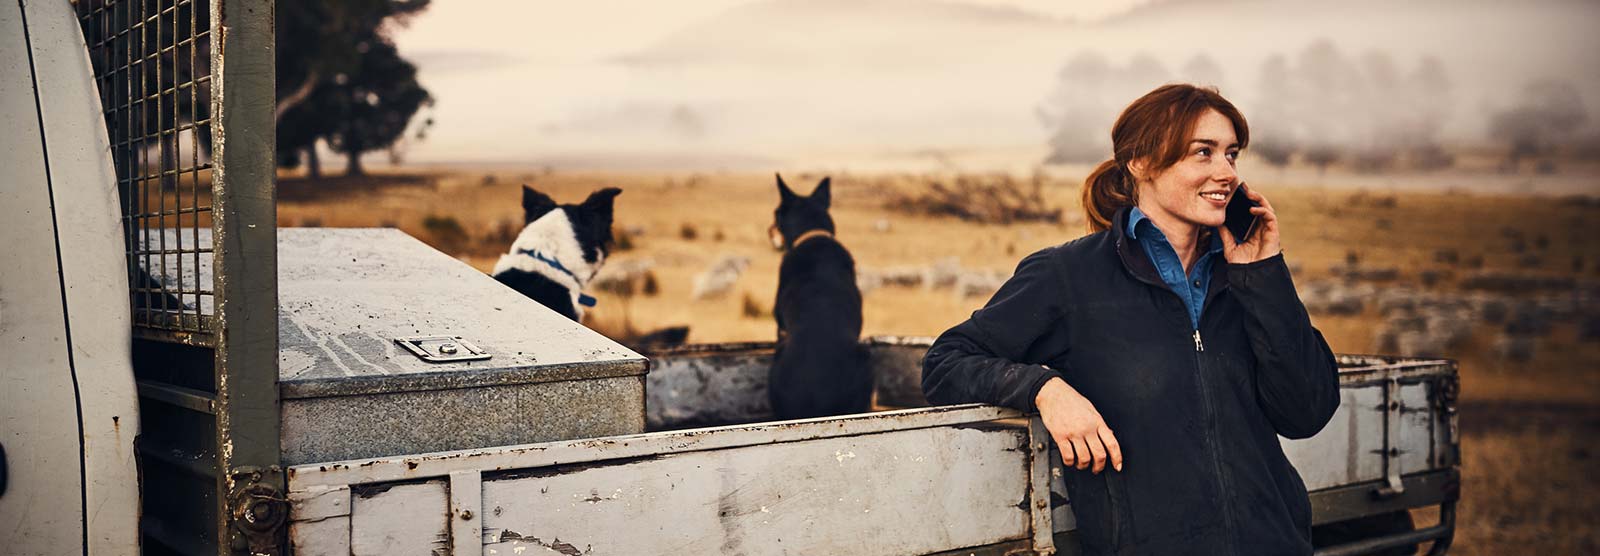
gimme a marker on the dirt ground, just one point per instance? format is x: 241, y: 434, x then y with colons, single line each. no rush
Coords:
x: 1530, y: 372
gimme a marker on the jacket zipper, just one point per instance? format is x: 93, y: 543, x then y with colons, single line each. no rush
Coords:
x: 1210, y: 413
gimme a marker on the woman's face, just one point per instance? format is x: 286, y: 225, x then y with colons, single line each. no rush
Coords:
x: 1194, y: 192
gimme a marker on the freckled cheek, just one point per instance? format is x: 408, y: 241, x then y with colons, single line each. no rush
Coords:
x: 1194, y: 183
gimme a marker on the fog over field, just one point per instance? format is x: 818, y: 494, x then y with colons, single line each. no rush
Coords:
x: 723, y: 83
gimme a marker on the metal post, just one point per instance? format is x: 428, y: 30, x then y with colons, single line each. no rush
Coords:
x: 1039, y: 510
x: 244, y: 229
x: 1392, y: 414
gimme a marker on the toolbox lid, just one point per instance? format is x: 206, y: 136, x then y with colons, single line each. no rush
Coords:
x: 350, y: 299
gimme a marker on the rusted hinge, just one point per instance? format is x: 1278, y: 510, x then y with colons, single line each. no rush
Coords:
x: 259, y: 510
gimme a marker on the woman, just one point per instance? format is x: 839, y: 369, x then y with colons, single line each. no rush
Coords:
x: 1160, y: 347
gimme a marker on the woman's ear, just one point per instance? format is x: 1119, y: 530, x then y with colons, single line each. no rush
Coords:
x: 1137, y: 168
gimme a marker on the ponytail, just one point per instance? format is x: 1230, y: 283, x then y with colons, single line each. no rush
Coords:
x: 1106, y: 190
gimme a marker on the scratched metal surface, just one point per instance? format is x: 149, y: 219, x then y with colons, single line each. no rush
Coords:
x: 900, y: 492
x: 349, y: 391
x: 346, y: 294
x: 904, y: 482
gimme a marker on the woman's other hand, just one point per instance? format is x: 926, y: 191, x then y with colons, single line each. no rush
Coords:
x: 1077, y: 427
x: 1263, y: 243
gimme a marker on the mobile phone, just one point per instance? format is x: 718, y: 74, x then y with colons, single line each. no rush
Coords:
x: 1239, y: 220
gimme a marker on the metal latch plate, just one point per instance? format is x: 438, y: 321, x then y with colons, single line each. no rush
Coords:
x: 442, y: 349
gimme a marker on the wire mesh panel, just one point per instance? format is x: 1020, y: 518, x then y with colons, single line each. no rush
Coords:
x: 152, y: 61
x: 191, y: 137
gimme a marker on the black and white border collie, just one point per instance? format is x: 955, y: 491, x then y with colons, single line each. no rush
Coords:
x: 819, y: 368
x: 559, y: 251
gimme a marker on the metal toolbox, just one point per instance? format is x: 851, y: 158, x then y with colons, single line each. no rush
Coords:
x: 388, y: 347
x: 356, y: 305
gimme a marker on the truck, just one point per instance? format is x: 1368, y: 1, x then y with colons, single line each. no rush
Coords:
x: 183, y: 377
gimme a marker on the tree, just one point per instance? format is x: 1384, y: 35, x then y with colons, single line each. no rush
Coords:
x: 1384, y: 129
x: 1429, y: 98
x: 1326, y: 108
x: 1550, y: 112
x: 1272, y: 135
x: 340, y: 78
x: 372, y: 105
x: 1079, y: 112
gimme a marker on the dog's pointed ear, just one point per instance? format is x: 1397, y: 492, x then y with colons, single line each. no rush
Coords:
x: 594, y: 216
x: 821, y: 196
x: 601, y: 201
x: 599, y: 205
x: 785, y: 194
x: 535, y: 204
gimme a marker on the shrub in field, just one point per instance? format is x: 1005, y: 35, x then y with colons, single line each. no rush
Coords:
x: 1514, y: 348
x: 446, y: 233
x: 1447, y: 256
x: 503, y: 233
x: 1493, y: 310
x: 1528, y: 319
x: 993, y: 199
x: 627, y: 278
x: 1432, y: 277
x: 622, y: 240
x: 752, y: 310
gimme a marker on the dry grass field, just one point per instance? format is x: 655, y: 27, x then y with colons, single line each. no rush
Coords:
x: 1508, y: 286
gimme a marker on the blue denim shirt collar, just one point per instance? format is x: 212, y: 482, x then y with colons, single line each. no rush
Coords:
x: 1192, y: 288
x: 1136, y: 217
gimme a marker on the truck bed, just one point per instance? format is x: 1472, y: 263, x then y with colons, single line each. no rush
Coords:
x: 919, y: 480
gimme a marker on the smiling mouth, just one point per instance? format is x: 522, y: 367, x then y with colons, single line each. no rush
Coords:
x: 1216, y: 195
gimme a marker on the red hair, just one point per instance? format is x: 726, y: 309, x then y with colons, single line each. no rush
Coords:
x: 1156, y: 129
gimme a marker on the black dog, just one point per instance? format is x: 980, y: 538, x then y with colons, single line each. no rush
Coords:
x: 559, y: 251
x: 820, y: 367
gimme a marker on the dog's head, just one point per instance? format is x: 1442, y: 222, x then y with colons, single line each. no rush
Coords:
x: 590, y: 220
x: 797, y: 215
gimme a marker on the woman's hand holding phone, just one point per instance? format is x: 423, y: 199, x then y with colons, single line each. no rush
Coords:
x: 1262, y: 243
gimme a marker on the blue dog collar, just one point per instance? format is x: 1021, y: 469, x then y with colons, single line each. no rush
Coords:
x: 584, y: 299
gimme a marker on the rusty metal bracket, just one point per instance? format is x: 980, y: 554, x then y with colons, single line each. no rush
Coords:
x: 1392, y: 408
x: 1039, y: 511
x: 260, y: 511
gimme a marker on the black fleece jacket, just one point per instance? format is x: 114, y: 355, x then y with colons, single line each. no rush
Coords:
x: 1197, y: 412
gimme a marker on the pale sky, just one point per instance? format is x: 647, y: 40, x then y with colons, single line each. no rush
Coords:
x: 547, y: 61
x: 707, y: 83
x: 564, y: 29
